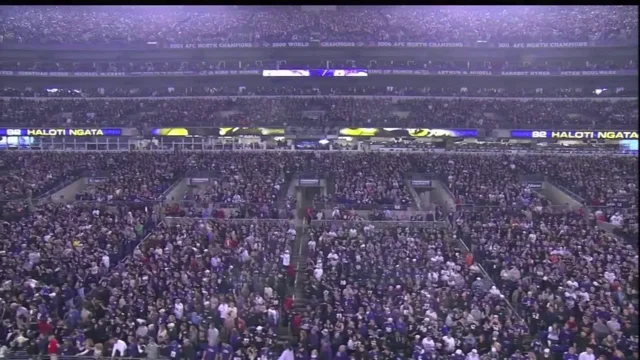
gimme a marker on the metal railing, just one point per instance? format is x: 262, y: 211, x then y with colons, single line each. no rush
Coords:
x: 229, y: 205
x: 24, y: 356
x: 177, y: 180
x: 510, y: 208
x: 170, y: 220
x: 610, y: 210
x: 571, y: 194
x: 331, y: 205
x: 203, y: 209
x: 139, y: 204
x: 427, y: 176
x: 310, y: 175
x: 384, y: 223
x: 208, y: 174
x: 533, y: 177
x: 393, y: 216
x: 490, y: 275
x: 60, y: 186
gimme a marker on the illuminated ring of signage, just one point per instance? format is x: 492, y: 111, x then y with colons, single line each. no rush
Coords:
x: 230, y: 131
x: 371, y: 132
x: 61, y: 132
x: 171, y: 132
x: 548, y: 134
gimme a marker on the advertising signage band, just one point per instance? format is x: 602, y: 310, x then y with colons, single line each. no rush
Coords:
x: 223, y: 131
x: 322, y: 73
x: 61, y: 132
x: 416, y: 133
x: 591, y: 134
x: 353, y: 132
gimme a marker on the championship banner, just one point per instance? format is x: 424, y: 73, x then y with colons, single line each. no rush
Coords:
x: 407, y: 44
x: 549, y: 134
x: 61, y: 132
x: 400, y: 132
x: 328, y: 44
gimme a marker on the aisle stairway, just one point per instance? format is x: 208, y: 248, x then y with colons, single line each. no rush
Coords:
x: 299, y: 260
x: 488, y: 278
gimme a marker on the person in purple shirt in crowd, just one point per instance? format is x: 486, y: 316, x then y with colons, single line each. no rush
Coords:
x: 226, y: 351
x: 570, y: 354
x: 210, y: 353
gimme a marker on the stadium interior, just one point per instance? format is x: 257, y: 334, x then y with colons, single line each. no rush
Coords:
x: 192, y: 183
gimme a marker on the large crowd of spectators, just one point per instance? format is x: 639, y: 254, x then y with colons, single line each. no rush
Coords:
x: 206, y: 285
x: 114, y: 25
x: 105, y: 276
x: 23, y: 175
x: 383, y: 64
x: 259, y: 177
x: 322, y: 111
x: 138, y: 178
x: 575, y: 285
x: 400, y: 292
x: 592, y: 91
x: 362, y: 180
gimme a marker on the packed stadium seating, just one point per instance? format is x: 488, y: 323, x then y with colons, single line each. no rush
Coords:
x: 235, y: 267
x: 358, y: 269
x: 271, y: 111
x: 177, y: 66
x: 318, y: 90
x: 57, y: 25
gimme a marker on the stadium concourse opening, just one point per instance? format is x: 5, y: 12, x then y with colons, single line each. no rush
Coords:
x: 319, y: 182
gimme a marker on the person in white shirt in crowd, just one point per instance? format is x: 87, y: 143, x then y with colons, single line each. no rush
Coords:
x: 286, y: 258
x: 232, y: 311
x: 473, y: 355
x: 106, y: 261
x: 311, y: 245
x: 449, y: 343
x: 317, y: 272
x: 287, y: 354
x: 333, y: 258
x: 119, y: 347
x: 223, y: 310
x: 178, y: 309
x: 428, y: 344
x: 617, y: 219
x: 610, y: 275
x: 587, y: 355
